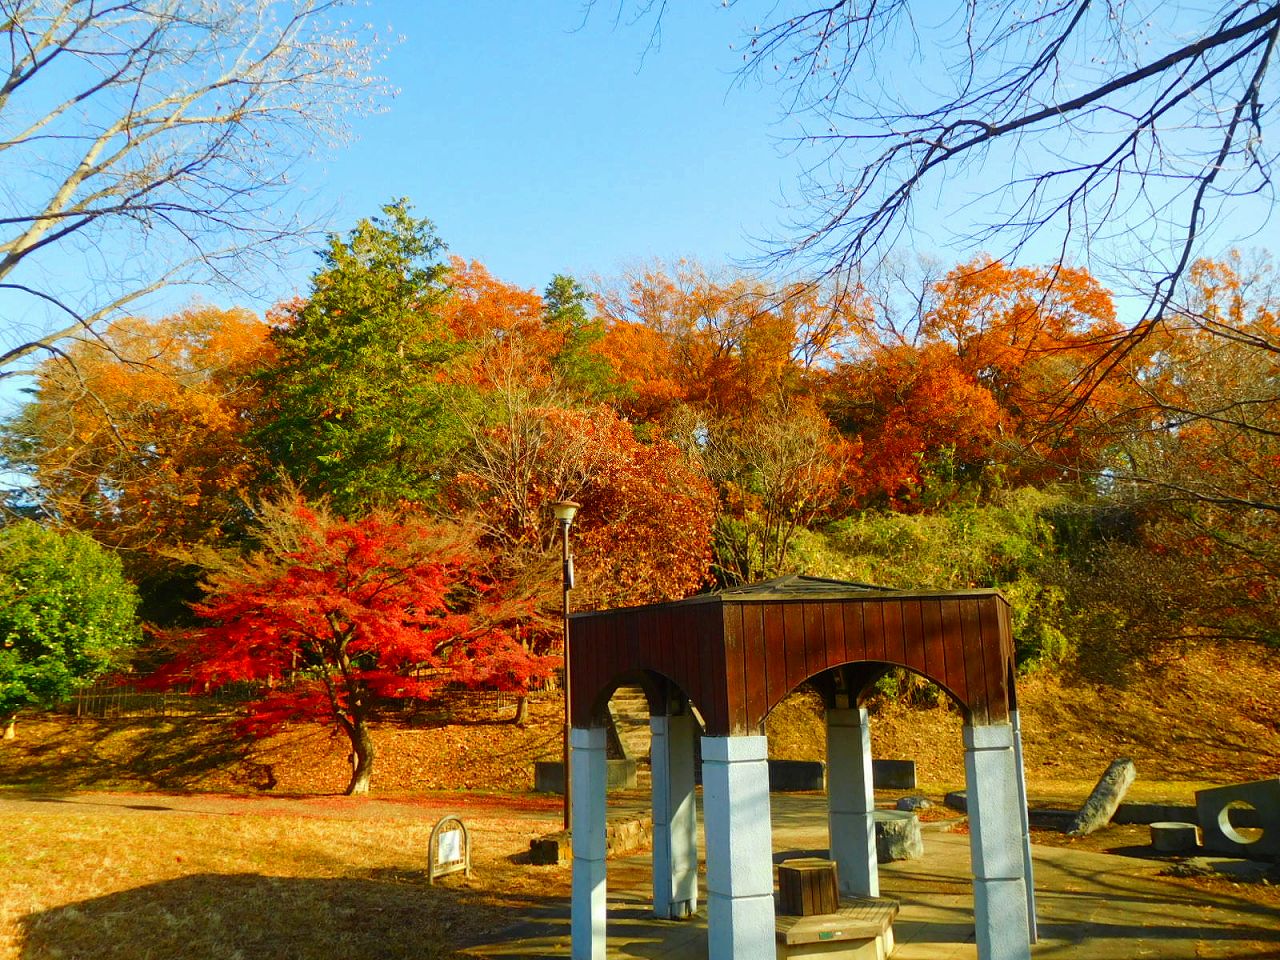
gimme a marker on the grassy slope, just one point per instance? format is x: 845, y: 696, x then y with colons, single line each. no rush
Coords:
x: 1210, y: 717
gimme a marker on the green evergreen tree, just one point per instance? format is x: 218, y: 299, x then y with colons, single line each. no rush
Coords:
x: 354, y: 409
x: 583, y: 370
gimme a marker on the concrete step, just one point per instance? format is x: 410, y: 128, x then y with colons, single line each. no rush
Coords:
x: 629, y: 708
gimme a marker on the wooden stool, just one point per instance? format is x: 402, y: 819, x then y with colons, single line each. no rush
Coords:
x: 808, y: 887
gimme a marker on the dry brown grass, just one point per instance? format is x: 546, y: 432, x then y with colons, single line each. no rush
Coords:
x: 123, y: 885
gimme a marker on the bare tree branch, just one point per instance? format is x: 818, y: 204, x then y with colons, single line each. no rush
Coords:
x: 146, y: 142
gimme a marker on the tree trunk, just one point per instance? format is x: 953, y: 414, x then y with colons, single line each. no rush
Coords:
x: 362, y: 759
x: 522, y: 711
x: 10, y: 728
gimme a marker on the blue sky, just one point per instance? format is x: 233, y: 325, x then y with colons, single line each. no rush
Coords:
x: 541, y: 139
x: 538, y: 143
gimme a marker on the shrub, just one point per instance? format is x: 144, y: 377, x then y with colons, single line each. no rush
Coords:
x: 1008, y: 544
x: 67, y: 615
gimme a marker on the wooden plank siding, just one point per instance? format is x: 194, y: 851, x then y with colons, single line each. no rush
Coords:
x: 753, y: 658
x: 736, y: 659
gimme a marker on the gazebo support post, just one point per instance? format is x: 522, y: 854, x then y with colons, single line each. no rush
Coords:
x: 675, y: 817
x: 735, y: 786
x: 995, y: 826
x: 1028, y: 874
x: 587, y: 926
x: 851, y: 828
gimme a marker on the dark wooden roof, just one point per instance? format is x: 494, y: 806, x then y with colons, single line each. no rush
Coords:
x: 739, y: 652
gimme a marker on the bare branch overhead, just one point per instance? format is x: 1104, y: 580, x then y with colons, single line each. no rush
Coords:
x: 144, y: 142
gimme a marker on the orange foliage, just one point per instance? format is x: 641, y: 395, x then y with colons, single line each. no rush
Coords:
x: 501, y: 321
x: 138, y: 437
x: 728, y: 345
x: 480, y: 307
x: 1038, y: 340
x: 907, y: 404
x: 644, y: 531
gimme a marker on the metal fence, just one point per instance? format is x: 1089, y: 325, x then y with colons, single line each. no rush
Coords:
x: 102, y: 700
x: 108, y: 701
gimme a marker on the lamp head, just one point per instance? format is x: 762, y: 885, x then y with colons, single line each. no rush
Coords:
x: 565, y: 510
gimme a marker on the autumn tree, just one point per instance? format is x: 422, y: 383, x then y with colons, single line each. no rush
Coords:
x: 337, y: 616
x: 479, y: 308
x: 532, y: 448
x: 776, y: 471
x: 917, y: 414
x: 547, y: 340
x: 1035, y: 338
x: 138, y: 437
x: 1198, y: 470
x: 974, y: 383
x: 726, y: 343
x: 355, y: 407
x: 645, y: 529
x: 67, y: 616
x: 158, y: 133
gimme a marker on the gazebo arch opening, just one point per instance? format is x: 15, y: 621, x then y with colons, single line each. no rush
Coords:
x: 737, y: 654
x: 854, y: 684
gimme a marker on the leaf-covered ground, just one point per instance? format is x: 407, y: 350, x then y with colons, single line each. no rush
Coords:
x: 1209, y: 717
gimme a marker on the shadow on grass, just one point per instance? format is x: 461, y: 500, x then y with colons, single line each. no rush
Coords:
x: 389, y: 916
x: 170, y: 753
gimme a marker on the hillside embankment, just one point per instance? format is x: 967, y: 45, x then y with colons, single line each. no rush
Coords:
x: 1209, y: 716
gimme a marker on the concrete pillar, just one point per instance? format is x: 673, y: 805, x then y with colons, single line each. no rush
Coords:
x: 735, y: 800
x: 1028, y: 874
x: 995, y: 828
x: 851, y: 802
x: 587, y: 918
x: 675, y: 818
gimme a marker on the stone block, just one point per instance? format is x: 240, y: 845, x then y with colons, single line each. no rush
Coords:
x: 1242, y: 820
x: 893, y: 774
x: 548, y: 776
x: 1105, y: 798
x: 627, y: 836
x: 1171, y: 837
x: 898, y: 836
x: 957, y: 800
x: 551, y: 849
x: 913, y: 803
x: 793, y: 775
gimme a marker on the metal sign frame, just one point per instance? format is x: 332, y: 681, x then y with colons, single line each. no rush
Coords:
x: 459, y: 859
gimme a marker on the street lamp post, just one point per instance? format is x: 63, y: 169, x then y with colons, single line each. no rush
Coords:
x: 565, y: 511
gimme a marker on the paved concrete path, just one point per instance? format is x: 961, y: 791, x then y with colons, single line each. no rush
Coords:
x: 1092, y: 906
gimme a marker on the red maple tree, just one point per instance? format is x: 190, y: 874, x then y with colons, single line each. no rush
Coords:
x: 334, y: 616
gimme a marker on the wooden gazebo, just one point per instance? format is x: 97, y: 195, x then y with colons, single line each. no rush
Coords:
x: 729, y: 658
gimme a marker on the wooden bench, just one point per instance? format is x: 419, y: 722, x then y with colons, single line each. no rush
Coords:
x: 861, y: 929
